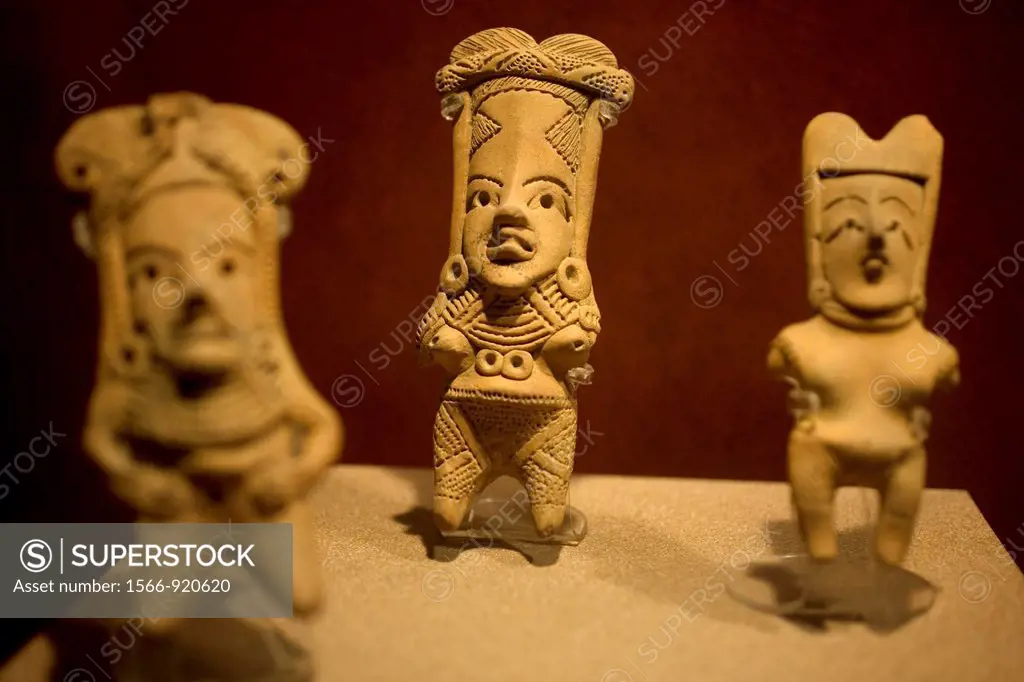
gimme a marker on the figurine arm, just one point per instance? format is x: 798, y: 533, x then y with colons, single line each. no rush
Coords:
x: 100, y: 438
x: 156, y: 492
x: 440, y: 343
x: 782, y: 360
x: 570, y: 346
x: 272, y: 487
x: 803, y: 403
x: 325, y: 437
x: 949, y: 370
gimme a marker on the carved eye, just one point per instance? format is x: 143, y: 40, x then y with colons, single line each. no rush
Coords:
x: 551, y: 200
x: 893, y: 226
x: 480, y: 199
x: 851, y: 224
x: 151, y: 272
x: 227, y: 266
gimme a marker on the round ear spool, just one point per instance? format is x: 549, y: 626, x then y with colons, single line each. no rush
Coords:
x: 454, y: 275
x: 820, y: 291
x: 574, y: 278
x: 81, y: 231
x: 130, y: 357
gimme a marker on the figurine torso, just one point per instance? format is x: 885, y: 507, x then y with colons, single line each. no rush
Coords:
x: 507, y: 336
x: 228, y: 434
x: 869, y: 383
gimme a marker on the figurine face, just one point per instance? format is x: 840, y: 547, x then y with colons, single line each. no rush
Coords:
x: 520, y: 207
x: 192, y: 291
x: 869, y: 240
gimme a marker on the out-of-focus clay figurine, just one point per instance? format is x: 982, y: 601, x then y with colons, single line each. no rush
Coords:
x: 200, y: 412
x: 515, y: 318
x: 864, y: 367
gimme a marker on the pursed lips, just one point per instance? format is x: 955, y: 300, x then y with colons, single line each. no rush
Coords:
x: 874, y: 265
x: 515, y: 244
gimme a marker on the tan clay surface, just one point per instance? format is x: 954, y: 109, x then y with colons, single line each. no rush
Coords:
x: 515, y: 317
x: 864, y: 367
x: 643, y: 599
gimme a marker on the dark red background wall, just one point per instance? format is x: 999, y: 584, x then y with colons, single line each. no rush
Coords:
x: 710, y: 147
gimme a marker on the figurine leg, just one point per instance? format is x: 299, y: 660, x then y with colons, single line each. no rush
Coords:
x: 546, y: 471
x: 812, y: 476
x: 901, y: 496
x: 460, y: 467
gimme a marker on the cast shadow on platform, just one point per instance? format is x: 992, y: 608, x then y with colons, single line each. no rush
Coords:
x: 853, y: 588
x: 420, y: 521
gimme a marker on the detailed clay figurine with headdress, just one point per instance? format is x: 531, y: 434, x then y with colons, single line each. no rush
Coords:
x: 516, y: 316
x: 200, y: 412
x: 864, y: 367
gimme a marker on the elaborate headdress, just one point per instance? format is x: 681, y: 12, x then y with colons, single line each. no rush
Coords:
x: 122, y: 155
x: 911, y: 150
x: 579, y: 70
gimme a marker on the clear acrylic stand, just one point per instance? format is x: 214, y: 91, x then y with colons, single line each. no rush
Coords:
x: 850, y: 587
x: 796, y: 585
x: 502, y: 514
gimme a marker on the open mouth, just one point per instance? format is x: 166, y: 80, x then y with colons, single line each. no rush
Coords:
x: 203, y: 328
x: 513, y: 245
x: 874, y: 265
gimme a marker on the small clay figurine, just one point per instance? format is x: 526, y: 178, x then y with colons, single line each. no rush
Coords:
x: 516, y: 317
x: 200, y: 412
x: 864, y: 367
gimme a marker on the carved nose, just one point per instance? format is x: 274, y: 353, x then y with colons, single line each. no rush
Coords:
x: 876, y: 242
x: 194, y: 306
x: 510, y: 215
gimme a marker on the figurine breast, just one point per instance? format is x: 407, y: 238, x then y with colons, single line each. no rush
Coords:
x: 867, y: 385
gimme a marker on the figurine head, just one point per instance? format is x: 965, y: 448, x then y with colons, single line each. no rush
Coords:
x: 187, y: 209
x: 193, y: 298
x: 870, y: 221
x: 527, y: 143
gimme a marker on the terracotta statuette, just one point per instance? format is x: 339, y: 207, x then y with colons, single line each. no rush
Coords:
x: 200, y: 412
x: 863, y: 368
x: 516, y: 317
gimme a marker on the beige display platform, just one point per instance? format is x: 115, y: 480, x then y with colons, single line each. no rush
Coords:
x: 626, y: 603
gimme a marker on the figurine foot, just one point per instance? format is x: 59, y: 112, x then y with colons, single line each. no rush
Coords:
x: 548, y: 518
x: 449, y: 513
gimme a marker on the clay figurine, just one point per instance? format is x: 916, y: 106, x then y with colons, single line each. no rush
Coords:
x: 515, y: 317
x: 200, y: 412
x: 864, y: 367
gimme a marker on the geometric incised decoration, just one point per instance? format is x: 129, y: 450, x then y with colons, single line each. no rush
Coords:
x: 484, y: 128
x: 577, y: 61
x: 509, y: 325
x: 506, y: 431
x: 555, y: 306
x: 522, y: 323
x: 564, y: 136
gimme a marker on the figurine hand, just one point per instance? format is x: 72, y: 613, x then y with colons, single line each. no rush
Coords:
x: 803, y: 404
x: 590, y: 318
x: 272, y: 488
x: 156, y: 492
